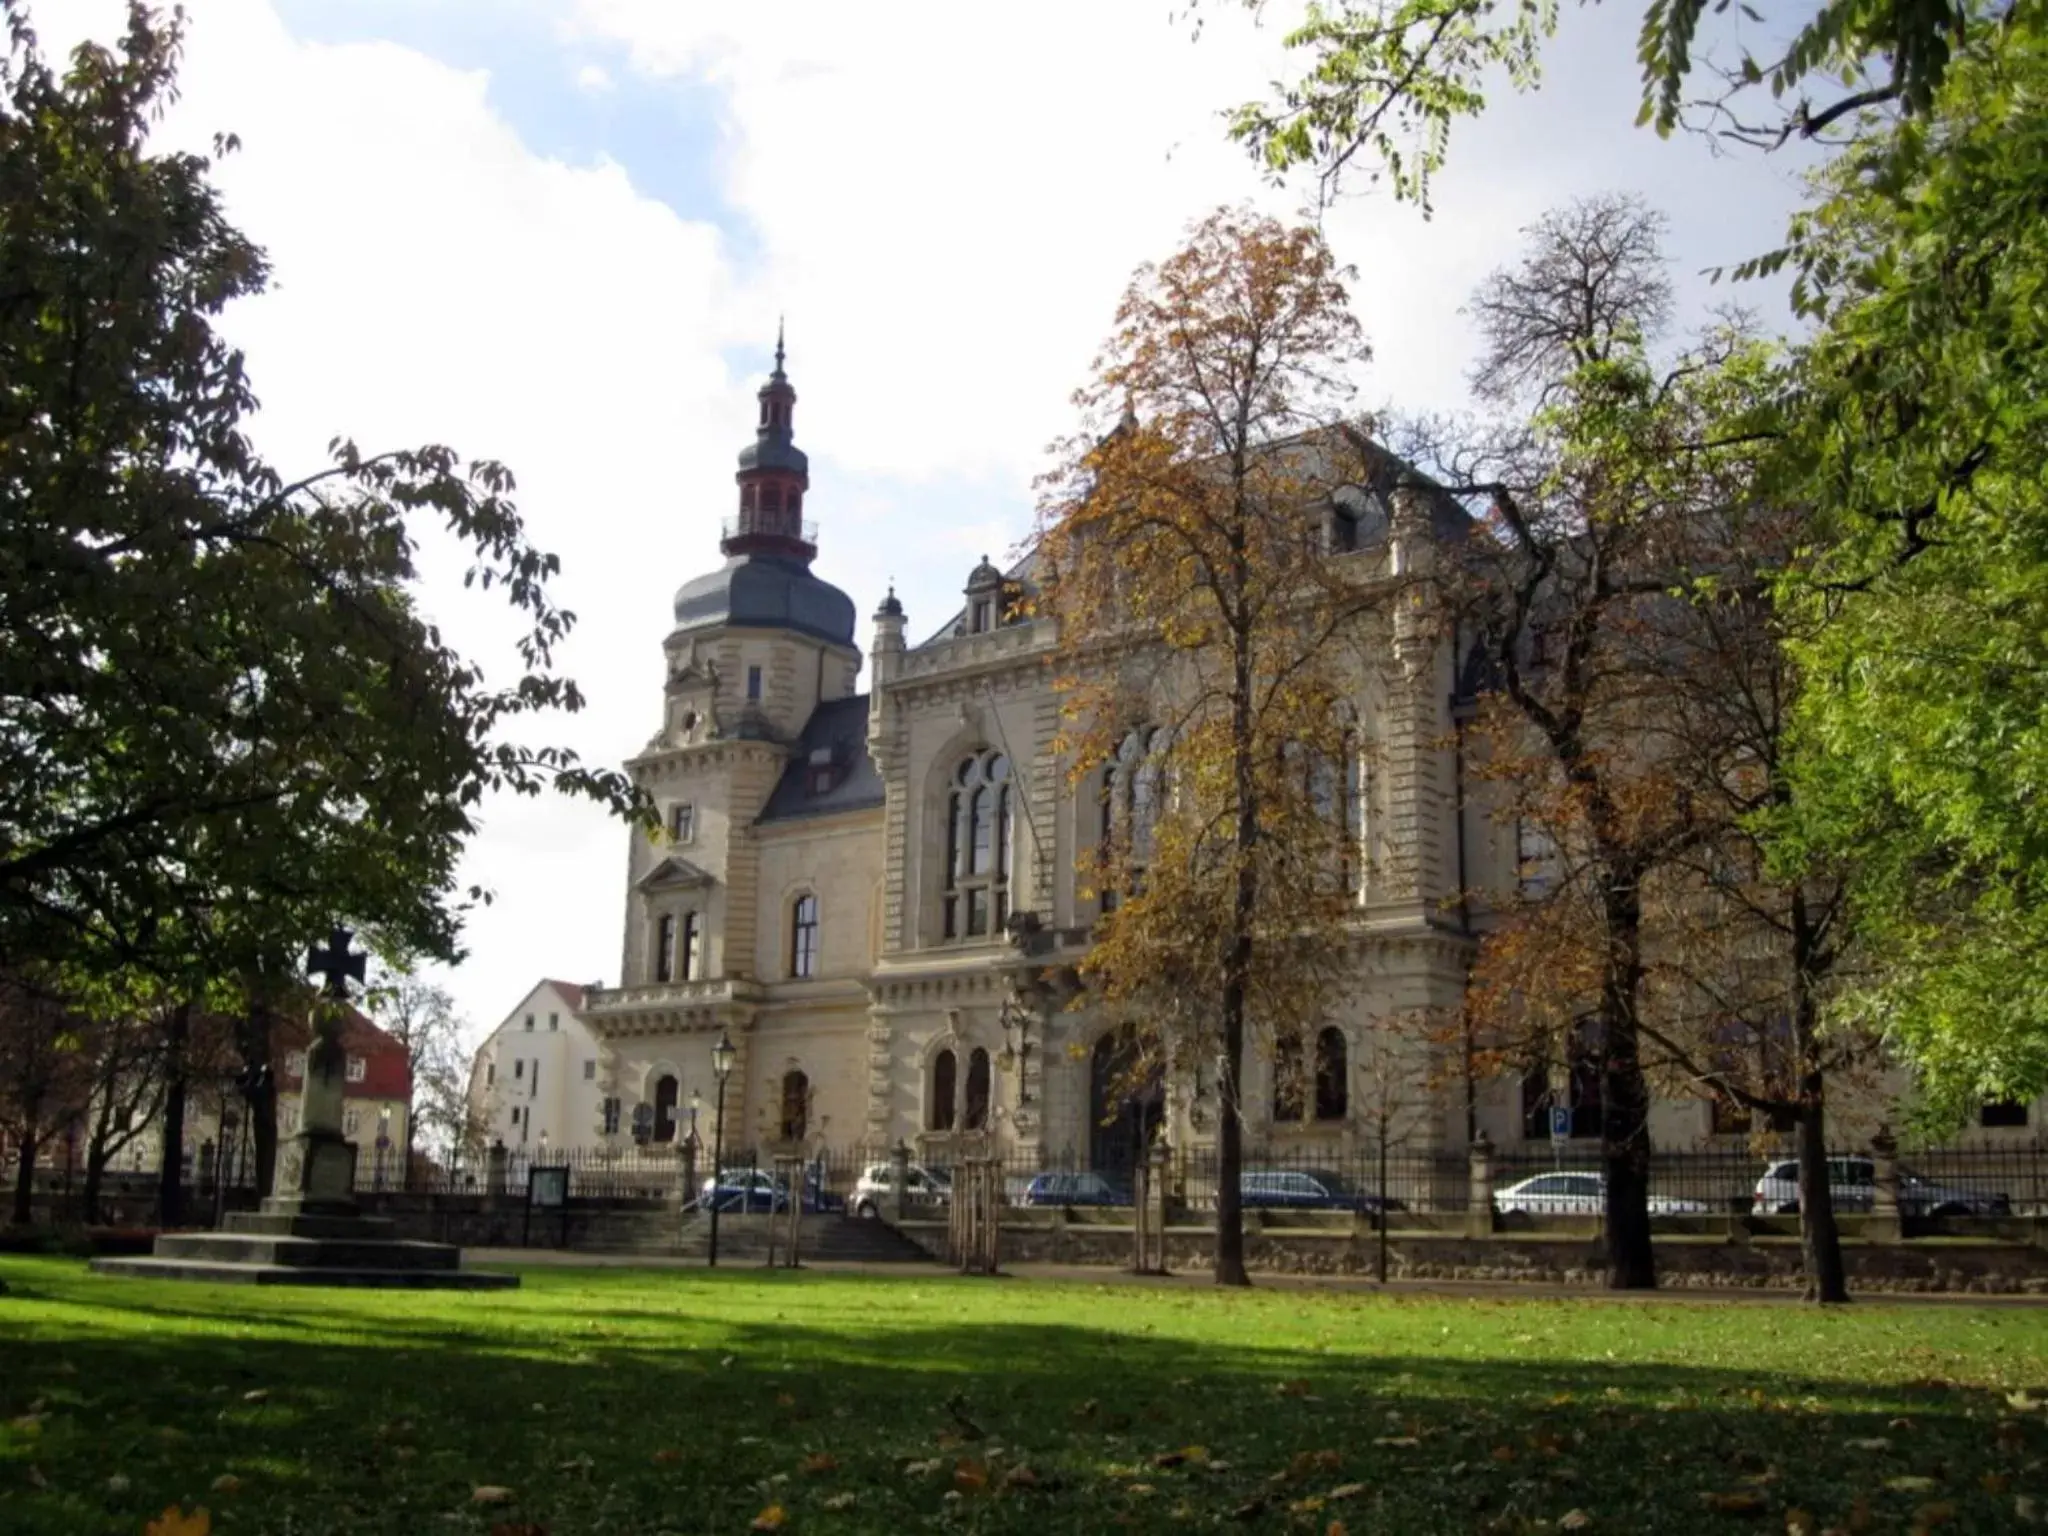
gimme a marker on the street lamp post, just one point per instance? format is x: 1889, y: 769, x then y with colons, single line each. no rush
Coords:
x: 721, y: 1068
x: 383, y: 1141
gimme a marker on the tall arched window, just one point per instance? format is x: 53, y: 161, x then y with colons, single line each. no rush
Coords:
x: 803, y: 937
x: 978, y: 851
x: 976, y: 1116
x: 1133, y: 790
x: 666, y: 1089
x: 1333, y: 1075
x: 796, y: 1104
x: 665, y: 948
x: 692, y: 951
x: 1289, y: 1097
x: 945, y: 1068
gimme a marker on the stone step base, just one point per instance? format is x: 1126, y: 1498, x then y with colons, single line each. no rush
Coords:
x: 226, y: 1273
x: 268, y: 1223
x: 353, y: 1251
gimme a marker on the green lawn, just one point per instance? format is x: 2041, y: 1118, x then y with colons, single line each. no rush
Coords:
x: 623, y: 1401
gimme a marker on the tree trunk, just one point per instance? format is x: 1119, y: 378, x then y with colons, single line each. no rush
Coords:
x: 259, y: 1092
x: 171, y: 1179
x: 95, y: 1174
x: 1230, y: 1268
x: 1819, y: 1237
x: 25, y: 1176
x: 1625, y: 1101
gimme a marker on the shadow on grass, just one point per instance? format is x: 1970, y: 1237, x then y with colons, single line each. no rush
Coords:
x: 606, y: 1418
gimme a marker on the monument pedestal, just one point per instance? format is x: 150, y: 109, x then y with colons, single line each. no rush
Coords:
x: 296, y: 1241
x: 316, y: 1236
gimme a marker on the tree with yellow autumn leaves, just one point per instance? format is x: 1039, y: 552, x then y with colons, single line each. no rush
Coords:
x: 1209, y: 643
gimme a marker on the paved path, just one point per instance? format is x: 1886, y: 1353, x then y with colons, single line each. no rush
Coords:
x: 1079, y: 1274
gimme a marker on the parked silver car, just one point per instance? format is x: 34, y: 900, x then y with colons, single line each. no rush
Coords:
x: 1580, y: 1194
x: 1853, y: 1182
x: 924, y: 1186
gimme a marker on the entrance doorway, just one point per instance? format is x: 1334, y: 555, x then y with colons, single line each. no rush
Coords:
x: 1126, y: 1103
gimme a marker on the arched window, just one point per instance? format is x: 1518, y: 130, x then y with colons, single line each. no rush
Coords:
x: 1333, y: 1075
x: 944, y: 1070
x: 796, y: 1104
x: 978, y: 851
x: 1133, y: 790
x: 1289, y: 1099
x: 692, y: 952
x: 803, y: 937
x: 976, y: 1116
x: 665, y: 948
x: 666, y: 1089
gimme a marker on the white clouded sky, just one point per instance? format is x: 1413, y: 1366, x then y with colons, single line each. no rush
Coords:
x: 559, y: 233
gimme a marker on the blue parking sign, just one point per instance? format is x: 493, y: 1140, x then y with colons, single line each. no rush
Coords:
x: 1560, y: 1123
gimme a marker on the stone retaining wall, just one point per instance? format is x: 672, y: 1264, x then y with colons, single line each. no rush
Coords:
x: 1685, y: 1261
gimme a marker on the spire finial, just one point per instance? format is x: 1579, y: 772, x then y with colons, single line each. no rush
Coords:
x: 778, y: 343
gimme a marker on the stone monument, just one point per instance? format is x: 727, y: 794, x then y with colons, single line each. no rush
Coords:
x: 313, y: 1234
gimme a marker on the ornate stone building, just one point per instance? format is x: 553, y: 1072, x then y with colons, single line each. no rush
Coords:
x: 874, y: 894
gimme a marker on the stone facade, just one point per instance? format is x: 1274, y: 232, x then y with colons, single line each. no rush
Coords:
x: 799, y: 899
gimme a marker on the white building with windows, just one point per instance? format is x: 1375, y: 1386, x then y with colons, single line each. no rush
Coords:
x: 537, y: 1078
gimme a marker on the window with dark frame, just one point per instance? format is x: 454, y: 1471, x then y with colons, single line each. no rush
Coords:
x: 1333, y: 1075
x: 945, y: 1070
x: 753, y: 685
x: 975, y: 1114
x: 803, y: 937
x: 691, y: 953
x: 978, y: 848
x: 682, y: 822
x: 665, y: 948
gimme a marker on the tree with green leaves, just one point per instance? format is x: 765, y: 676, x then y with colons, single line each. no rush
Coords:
x: 421, y: 1017
x: 1923, y: 429
x: 1384, y: 81
x: 224, y: 719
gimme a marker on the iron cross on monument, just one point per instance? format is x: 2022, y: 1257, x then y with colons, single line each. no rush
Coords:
x: 326, y: 1156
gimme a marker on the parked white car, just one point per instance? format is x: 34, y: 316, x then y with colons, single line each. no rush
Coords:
x: 1580, y: 1194
x: 1853, y: 1183
x: 925, y: 1186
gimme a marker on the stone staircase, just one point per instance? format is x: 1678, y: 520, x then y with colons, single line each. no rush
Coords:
x: 292, y: 1242
x: 743, y: 1239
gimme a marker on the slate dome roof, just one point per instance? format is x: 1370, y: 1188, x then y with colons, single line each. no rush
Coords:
x: 765, y: 591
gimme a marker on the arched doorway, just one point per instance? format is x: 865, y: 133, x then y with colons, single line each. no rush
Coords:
x: 665, y: 1090
x: 1126, y: 1103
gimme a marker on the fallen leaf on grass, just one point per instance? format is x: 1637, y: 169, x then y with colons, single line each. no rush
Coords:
x: 36, y: 1478
x: 970, y: 1476
x: 785, y: 1400
x: 1020, y: 1476
x: 1800, y: 1522
x: 1871, y: 1443
x: 1406, y: 1442
x: 1744, y: 1501
x: 922, y: 1468
x: 1334, y: 1528
x: 256, y: 1395
x: 2024, y: 1506
x: 1195, y: 1453
x: 1574, y: 1520
x: 29, y: 1424
x: 1909, y: 1484
x: 667, y: 1457
x: 1293, y: 1388
x: 838, y: 1501
x: 1927, y: 1516
x: 1251, y: 1509
x: 1995, y: 1483
x: 818, y: 1463
x: 1347, y: 1490
x: 490, y: 1493
x: 227, y: 1482
x: 770, y: 1519
x: 118, y: 1484
x: 175, y: 1522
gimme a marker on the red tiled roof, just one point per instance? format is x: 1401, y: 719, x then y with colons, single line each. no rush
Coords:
x: 387, y: 1069
x: 571, y: 994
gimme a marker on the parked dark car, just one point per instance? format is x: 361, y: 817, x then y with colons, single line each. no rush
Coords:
x: 1077, y: 1189
x: 1272, y: 1189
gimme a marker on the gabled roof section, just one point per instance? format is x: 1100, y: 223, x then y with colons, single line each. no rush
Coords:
x: 831, y: 771
x: 672, y: 873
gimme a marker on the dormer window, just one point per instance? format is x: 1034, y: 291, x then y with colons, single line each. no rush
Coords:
x: 821, y: 771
